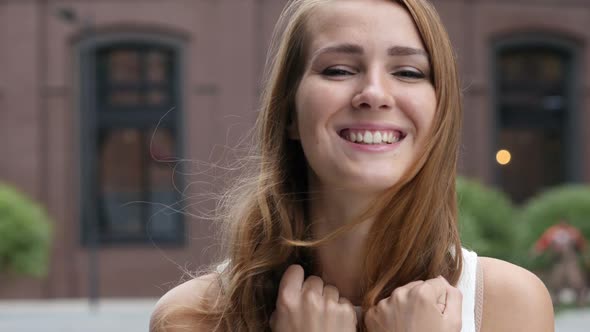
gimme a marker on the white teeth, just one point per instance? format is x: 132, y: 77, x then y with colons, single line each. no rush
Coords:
x: 368, y: 138
x: 377, y: 138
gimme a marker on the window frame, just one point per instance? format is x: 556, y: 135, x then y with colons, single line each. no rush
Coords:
x: 86, y: 54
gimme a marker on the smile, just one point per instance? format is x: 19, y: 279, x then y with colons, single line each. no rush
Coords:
x: 362, y: 136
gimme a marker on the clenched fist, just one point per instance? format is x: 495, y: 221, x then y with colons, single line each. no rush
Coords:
x: 433, y: 305
x: 310, y: 305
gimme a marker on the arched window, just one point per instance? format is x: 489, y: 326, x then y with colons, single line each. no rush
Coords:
x: 130, y: 137
x: 533, y: 106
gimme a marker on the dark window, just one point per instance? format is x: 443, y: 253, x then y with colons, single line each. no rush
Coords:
x: 135, y: 78
x: 532, y: 92
x: 135, y: 140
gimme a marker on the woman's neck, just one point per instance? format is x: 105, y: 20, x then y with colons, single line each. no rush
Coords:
x: 339, y: 261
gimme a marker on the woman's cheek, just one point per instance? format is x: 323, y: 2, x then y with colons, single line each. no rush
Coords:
x: 311, y: 114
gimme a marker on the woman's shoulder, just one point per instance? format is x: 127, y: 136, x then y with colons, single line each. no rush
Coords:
x: 514, y: 299
x: 172, y: 312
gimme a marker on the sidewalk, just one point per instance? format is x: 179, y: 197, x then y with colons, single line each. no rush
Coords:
x: 132, y: 315
x: 111, y: 315
x: 575, y: 320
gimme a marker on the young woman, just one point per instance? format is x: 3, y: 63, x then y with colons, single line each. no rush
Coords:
x: 350, y: 221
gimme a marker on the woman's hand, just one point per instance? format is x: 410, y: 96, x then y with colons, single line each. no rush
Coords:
x: 432, y: 305
x: 310, y: 306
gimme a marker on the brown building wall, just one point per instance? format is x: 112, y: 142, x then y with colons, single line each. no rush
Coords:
x: 19, y: 95
x: 224, y: 44
x: 495, y: 20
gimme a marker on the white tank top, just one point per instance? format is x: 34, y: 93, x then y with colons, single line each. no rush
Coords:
x: 470, y: 284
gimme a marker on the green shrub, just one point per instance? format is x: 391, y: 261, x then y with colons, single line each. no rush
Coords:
x: 569, y: 202
x: 486, y: 220
x: 24, y: 234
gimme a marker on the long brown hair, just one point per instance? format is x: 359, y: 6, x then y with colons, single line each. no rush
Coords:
x: 264, y: 215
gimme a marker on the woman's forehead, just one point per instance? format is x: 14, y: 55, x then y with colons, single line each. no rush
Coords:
x: 360, y: 22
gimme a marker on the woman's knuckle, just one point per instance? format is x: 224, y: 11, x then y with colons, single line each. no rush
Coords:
x: 397, y: 301
x: 310, y: 298
x: 315, y: 280
x: 348, y: 309
x: 416, y: 291
x: 284, y: 302
x: 343, y: 310
x: 331, y: 288
x: 332, y: 306
x: 397, y: 292
x: 381, y: 306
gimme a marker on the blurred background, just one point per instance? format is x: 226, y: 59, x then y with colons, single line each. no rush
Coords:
x: 113, y: 112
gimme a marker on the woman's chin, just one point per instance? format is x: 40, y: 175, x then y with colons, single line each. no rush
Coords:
x: 371, y: 185
x: 356, y: 180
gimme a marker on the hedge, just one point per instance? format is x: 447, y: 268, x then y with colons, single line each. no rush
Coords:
x: 487, y: 221
x: 25, y: 234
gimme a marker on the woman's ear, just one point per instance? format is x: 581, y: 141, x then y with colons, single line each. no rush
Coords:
x: 292, y: 128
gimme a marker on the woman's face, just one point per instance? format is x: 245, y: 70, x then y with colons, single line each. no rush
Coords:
x: 365, y: 103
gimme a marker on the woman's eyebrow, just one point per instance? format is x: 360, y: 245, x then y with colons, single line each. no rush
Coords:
x: 404, y: 50
x: 345, y: 48
x: 355, y: 49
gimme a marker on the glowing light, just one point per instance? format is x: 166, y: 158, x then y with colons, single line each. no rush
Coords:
x: 503, y: 157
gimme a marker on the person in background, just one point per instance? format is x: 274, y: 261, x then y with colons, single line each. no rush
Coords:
x: 566, y: 244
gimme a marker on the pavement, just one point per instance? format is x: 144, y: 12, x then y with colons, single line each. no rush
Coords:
x: 132, y: 315
x: 109, y: 315
x: 574, y: 320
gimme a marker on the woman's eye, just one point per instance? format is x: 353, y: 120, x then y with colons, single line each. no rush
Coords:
x: 410, y: 74
x: 336, y: 72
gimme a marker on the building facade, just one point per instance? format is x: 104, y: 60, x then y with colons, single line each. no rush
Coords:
x: 113, y: 112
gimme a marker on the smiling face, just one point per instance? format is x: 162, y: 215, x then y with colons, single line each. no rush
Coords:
x: 365, y: 103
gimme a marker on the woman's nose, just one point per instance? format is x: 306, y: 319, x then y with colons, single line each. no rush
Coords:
x: 374, y: 93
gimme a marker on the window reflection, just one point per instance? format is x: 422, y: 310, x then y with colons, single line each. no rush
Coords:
x: 124, y: 98
x: 120, y: 181
x: 156, y: 97
x: 162, y: 179
x: 137, y: 182
x: 156, y: 63
x: 124, y: 66
x: 135, y: 77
